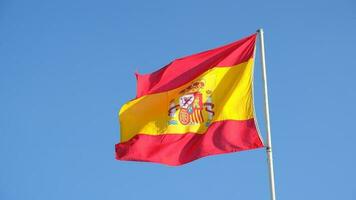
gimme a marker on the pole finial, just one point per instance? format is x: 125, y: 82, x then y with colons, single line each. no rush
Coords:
x: 260, y: 30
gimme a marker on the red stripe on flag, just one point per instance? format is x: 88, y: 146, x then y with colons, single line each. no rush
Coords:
x: 185, y: 69
x: 177, y: 149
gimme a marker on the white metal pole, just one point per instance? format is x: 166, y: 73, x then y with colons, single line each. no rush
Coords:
x: 268, y: 126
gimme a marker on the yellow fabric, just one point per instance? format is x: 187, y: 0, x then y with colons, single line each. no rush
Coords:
x: 230, y: 91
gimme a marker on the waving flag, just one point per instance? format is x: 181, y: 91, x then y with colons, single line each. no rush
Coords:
x: 195, y: 106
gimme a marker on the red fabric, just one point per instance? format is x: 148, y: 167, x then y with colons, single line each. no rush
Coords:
x: 177, y: 149
x: 183, y: 70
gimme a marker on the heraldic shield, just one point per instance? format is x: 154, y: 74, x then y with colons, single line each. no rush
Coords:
x: 193, y: 107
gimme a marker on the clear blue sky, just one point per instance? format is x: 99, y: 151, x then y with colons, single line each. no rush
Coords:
x: 66, y: 67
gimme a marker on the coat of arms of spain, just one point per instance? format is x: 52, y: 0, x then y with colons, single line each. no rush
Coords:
x: 193, y: 106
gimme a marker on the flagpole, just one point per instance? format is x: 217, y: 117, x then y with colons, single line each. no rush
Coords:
x: 267, y: 120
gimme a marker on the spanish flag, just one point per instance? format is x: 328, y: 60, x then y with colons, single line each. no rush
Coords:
x: 196, y: 106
